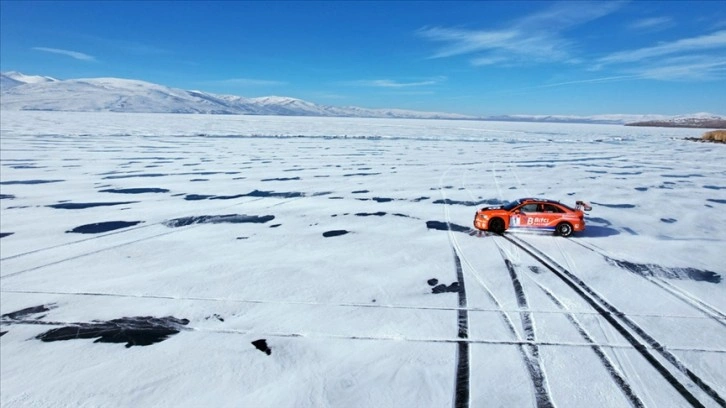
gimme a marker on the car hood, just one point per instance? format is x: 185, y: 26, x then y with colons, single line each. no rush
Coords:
x: 492, y: 208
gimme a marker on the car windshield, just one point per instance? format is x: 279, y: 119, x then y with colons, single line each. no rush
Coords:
x: 510, y: 205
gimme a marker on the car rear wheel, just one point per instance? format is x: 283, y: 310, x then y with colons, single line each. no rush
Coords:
x: 496, y: 225
x: 564, y: 229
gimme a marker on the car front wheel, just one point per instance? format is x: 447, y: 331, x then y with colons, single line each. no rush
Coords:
x: 564, y: 229
x: 496, y: 225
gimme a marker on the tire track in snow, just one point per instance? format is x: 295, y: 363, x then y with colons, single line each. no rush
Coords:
x: 122, y: 231
x: 461, y: 398
x: 609, y: 313
x: 84, y: 254
x: 542, y: 397
x: 463, y: 365
x: 703, y: 307
x: 534, y: 364
x: 310, y: 303
x: 462, y: 385
x: 494, y: 342
x: 609, y: 366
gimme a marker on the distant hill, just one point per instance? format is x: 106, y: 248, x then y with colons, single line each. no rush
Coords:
x: 702, y: 120
x: 28, y: 92
x: 23, y: 92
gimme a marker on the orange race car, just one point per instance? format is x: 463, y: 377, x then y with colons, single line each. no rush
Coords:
x: 533, y: 213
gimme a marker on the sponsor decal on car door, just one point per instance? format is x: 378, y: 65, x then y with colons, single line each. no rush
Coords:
x: 516, y: 220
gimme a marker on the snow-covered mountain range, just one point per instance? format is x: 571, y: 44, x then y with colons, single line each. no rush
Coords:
x: 28, y: 92
x: 24, y: 92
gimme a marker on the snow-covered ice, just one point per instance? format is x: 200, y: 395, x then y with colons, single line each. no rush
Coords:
x: 144, y: 258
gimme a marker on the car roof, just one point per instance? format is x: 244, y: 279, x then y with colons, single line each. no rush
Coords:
x: 543, y: 200
x: 539, y: 200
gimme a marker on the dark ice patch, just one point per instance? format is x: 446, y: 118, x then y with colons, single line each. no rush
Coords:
x: 28, y: 311
x: 261, y: 345
x: 376, y: 199
x: 134, y: 190
x: 2, y: 333
x: 376, y: 214
x: 258, y: 193
x: 215, y: 316
x: 536, y: 269
x: 442, y: 288
x: 615, y: 205
x: 360, y: 192
x: 549, y: 166
x: 641, y: 188
x: 80, y: 206
x: 218, y: 219
x: 360, y: 174
x: 419, y: 199
x: 6, y: 196
x: 145, y: 175
x: 231, y: 197
x: 443, y: 226
x: 668, y: 220
x: 469, y: 203
x: 6, y: 234
x: 255, y: 193
x: 433, y: 282
x: 629, y: 231
x: 7, y: 183
x: 715, y: 187
x: 275, y: 225
x: 681, y: 175
x: 282, y: 179
x: 100, y: 227
x: 716, y: 200
x: 134, y: 331
x: 334, y: 233
x: 700, y: 275
x: 197, y: 197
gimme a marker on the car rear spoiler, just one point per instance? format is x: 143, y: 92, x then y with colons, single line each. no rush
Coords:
x: 582, y: 205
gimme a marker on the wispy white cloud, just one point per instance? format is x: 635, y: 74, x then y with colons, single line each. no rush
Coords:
x: 533, y: 38
x: 73, y: 54
x: 653, y: 23
x: 391, y: 83
x: 489, y: 60
x: 698, y: 58
x: 705, y: 42
x: 684, y: 69
x: 616, y: 78
x: 564, y: 15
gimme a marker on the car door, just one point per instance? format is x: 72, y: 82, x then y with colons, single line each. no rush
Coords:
x: 551, y: 215
x: 535, y: 216
x: 521, y: 217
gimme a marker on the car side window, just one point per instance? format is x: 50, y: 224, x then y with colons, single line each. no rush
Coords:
x: 549, y: 208
x: 528, y: 208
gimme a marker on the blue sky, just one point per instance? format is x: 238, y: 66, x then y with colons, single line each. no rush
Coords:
x: 476, y: 58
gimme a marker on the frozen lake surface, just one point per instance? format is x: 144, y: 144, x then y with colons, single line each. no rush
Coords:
x: 197, y: 260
